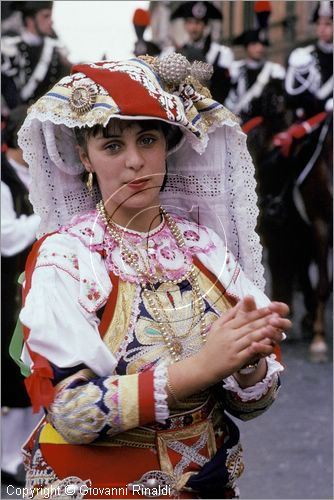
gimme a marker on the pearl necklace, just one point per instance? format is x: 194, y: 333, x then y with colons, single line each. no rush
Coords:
x: 147, y: 280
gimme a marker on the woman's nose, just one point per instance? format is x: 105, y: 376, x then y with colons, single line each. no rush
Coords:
x: 134, y: 159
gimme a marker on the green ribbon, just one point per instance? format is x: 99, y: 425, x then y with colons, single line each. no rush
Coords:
x: 16, y: 344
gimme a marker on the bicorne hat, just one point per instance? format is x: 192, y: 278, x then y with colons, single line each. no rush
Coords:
x: 30, y: 8
x: 203, y: 11
x: 251, y: 36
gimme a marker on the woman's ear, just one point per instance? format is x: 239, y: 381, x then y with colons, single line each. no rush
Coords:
x: 84, y: 158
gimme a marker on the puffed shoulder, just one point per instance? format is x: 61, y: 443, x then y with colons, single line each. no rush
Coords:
x: 66, y: 253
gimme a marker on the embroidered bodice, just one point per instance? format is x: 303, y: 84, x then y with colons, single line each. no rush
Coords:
x: 157, y: 247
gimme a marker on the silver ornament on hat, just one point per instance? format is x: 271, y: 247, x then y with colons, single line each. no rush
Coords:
x: 325, y: 9
x: 199, y: 10
x: 202, y: 71
x: 173, y: 68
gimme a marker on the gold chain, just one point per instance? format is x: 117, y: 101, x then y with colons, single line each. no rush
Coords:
x: 147, y: 279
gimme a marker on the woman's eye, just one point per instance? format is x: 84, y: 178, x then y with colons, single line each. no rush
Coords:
x: 113, y: 147
x: 147, y: 141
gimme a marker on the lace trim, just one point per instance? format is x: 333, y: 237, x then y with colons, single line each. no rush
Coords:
x: 160, y: 393
x: 258, y: 390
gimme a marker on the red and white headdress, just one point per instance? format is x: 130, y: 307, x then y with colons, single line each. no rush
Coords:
x: 211, y: 175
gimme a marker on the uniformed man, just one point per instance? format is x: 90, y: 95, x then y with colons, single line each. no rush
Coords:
x: 309, y: 79
x: 200, y: 47
x: 18, y: 232
x: 251, y: 75
x: 141, y: 20
x: 33, y: 61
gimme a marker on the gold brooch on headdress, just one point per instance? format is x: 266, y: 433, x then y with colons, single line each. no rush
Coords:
x: 82, y: 99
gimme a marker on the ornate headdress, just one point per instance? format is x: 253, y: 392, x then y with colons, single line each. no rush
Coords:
x: 210, y: 175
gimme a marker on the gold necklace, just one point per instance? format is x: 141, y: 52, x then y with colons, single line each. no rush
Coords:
x: 147, y: 279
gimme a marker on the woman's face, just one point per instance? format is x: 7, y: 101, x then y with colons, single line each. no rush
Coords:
x: 129, y: 165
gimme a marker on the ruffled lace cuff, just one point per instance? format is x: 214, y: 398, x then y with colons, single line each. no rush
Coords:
x: 258, y: 390
x: 160, y: 393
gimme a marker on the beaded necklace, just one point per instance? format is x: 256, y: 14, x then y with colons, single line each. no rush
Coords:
x: 148, y: 279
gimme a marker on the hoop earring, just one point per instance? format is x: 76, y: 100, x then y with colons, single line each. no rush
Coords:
x: 89, y: 182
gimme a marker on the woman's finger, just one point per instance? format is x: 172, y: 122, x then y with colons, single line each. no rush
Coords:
x: 266, y: 334
x: 280, y: 308
x: 281, y: 323
x: 240, y: 320
x: 258, y: 349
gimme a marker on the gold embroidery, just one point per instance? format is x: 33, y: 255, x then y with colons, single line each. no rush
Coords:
x: 234, y: 463
x: 213, y: 294
x: 120, y: 322
x: 193, y: 431
x: 128, y: 398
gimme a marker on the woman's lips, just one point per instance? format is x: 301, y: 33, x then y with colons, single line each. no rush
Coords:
x: 137, y: 184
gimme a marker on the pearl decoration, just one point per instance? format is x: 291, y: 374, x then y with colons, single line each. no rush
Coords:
x: 147, y: 279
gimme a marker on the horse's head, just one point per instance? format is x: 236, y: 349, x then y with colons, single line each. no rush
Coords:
x: 273, y: 100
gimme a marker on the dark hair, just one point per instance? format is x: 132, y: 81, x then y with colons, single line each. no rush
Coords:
x: 172, y: 133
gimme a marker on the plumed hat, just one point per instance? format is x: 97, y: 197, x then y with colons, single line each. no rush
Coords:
x: 210, y: 172
x: 202, y: 11
x: 141, y: 17
x: 30, y: 8
x: 323, y: 9
x: 141, y: 20
x: 251, y: 36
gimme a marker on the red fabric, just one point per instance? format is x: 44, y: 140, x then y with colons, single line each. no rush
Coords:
x: 252, y: 123
x: 110, y: 306
x: 38, y: 384
x: 106, y: 466
x: 317, y: 119
x: 285, y: 139
x: 146, y: 397
x: 130, y: 96
x: 214, y: 280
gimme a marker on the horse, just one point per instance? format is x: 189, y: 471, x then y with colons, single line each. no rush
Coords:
x: 295, y: 202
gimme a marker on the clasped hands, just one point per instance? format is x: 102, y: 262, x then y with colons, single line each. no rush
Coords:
x: 243, y: 334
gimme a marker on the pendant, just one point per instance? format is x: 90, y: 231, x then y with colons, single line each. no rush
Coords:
x: 177, y: 346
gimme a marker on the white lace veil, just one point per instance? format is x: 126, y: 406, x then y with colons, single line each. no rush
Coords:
x: 210, y: 175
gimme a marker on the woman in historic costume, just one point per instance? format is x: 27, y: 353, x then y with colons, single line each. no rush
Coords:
x: 140, y: 325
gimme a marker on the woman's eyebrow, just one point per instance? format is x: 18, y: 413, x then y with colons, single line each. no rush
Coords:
x: 146, y: 130
x: 112, y: 136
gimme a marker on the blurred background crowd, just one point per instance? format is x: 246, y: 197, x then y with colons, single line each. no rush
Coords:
x: 272, y: 66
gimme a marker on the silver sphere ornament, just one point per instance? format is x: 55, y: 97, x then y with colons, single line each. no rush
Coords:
x: 173, y: 68
x: 202, y: 71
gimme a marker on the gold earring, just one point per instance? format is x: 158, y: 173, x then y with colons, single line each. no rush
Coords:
x: 89, y: 182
